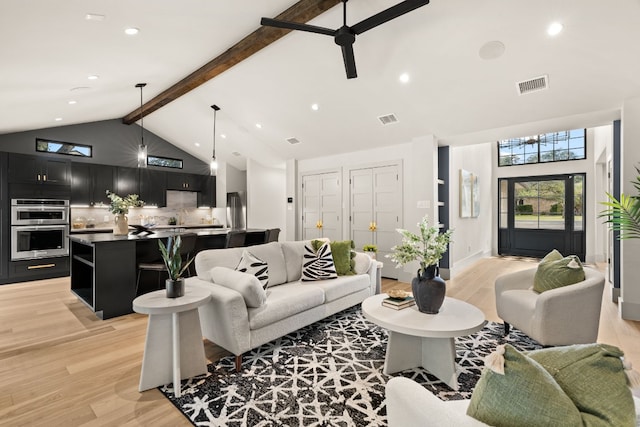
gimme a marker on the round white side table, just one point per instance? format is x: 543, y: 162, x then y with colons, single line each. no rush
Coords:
x: 173, y: 349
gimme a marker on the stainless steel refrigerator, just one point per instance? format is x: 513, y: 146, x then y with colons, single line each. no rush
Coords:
x: 237, y: 210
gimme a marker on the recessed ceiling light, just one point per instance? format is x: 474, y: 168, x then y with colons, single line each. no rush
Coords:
x: 492, y: 50
x: 131, y: 31
x: 554, y: 29
x: 72, y: 102
x: 315, y: 107
x: 57, y: 119
x: 258, y: 125
x: 94, y: 17
x: 93, y: 77
x: 223, y: 136
x: 197, y: 144
x: 404, y: 78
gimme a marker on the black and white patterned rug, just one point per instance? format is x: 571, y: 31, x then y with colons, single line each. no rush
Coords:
x: 326, y: 374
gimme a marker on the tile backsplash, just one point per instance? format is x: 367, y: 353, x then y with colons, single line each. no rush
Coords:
x: 100, y: 217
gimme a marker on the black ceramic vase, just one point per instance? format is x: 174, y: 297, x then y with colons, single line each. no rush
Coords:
x: 429, y: 290
x: 175, y: 288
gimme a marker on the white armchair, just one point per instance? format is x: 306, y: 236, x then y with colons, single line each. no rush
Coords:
x: 561, y: 316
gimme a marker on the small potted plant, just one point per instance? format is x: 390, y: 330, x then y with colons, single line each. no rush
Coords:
x: 370, y: 250
x: 119, y: 206
x: 427, y: 248
x: 175, y: 267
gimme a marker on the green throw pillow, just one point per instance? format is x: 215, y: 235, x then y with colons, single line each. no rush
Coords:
x: 526, y: 395
x: 556, y: 273
x: 554, y: 255
x: 343, y: 255
x: 593, y: 376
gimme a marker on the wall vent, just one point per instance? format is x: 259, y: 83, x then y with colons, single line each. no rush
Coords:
x: 533, y: 85
x: 293, y: 140
x: 388, y: 119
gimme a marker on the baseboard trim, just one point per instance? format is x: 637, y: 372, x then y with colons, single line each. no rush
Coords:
x: 615, y: 294
x: 466, y: 262
x: 628, y: 310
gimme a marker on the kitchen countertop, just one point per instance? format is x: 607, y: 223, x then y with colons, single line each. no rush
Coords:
x: 109, y: 228
x: 91, y: 238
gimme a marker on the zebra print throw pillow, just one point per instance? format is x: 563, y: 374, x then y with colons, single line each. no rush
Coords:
x: 251, y: 264
x: 318, y: 265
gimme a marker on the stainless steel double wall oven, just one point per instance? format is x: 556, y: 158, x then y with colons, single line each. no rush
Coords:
x: 39, y: 228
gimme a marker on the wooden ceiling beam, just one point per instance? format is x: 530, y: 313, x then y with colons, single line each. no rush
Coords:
x: 303, y: 11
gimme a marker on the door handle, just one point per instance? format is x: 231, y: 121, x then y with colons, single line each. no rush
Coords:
x: 318, y: 224
x: 373, y: 226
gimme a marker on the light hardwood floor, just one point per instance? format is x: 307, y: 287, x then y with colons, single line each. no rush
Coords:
x: 61, y: 366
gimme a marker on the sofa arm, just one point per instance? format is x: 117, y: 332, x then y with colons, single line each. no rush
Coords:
x: 366, y: 265
x: 224, y: 319
x: 409, y: 404
x: 522, y: 279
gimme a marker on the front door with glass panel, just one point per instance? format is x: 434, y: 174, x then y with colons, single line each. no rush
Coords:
x: 538, y: 214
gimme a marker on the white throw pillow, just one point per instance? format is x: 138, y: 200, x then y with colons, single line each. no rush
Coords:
x: 318, y: 265
x: 251, y: 264
x: 246, y: 284
x: 363, y: 262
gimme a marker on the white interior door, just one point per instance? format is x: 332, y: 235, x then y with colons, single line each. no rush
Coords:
x: 386, y: 210
x: 321, y: 206
x: 361, y: 207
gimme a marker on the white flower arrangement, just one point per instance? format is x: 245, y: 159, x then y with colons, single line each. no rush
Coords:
x: 427, y: 248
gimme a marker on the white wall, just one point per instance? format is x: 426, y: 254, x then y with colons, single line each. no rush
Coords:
x: 629, y: 302
x: 472, y: 237
x: 266, y: 197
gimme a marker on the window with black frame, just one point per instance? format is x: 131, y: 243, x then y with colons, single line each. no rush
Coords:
x: 544, y: 148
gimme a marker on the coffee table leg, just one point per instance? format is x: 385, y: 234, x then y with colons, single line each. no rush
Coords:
x: 436, y: 355
x: 439, y: 358
x: 176, y: 354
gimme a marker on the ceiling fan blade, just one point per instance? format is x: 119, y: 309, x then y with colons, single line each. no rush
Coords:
x: 349, y: 61
x: 387, y: 15
x: 297, y: 26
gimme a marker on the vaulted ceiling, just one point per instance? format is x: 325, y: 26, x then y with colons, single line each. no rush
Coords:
x: 49, y: 49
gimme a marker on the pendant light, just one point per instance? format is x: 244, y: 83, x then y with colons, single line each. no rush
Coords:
x: 142, y: 149
x: 214, y: 163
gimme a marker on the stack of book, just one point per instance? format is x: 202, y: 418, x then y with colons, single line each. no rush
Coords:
x: 398, y: 303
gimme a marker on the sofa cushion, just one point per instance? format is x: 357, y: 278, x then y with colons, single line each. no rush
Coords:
x: 362, y: 263
x: 293, y: 252
x: 593, y: 376
x: 558, y: 273
x: 285, y: 301
x: 272, y: 254
x: 318, y: 265
x: 251, y: 264
x: 525, y: 395
x: 207, y: 259
x: 340, y: 287
x: 246, y: 284
x: 342, y: 253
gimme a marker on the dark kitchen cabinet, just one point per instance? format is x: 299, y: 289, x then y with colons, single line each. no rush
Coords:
x: 90, y: 182
x: 207, y: 195
x: 184, y: 181
x: 153, y: 184
x: 26, y: 169
x: 4, y: 219
x: 127, y: 181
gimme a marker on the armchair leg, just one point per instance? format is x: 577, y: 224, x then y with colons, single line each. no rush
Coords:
x: 238, y: 363
x: 507, y: 328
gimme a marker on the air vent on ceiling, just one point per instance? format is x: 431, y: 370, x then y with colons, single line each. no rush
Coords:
x: 235, y: 153
x: 533, y: 85
x: 293, y: 140
x: 388, y: 119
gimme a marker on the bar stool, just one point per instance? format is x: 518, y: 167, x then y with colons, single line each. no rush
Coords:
x: 235, y: 238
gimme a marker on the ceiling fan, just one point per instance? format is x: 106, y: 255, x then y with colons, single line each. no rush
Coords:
x: 345, y: 36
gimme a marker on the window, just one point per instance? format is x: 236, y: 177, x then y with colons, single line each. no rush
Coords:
x: 164, y: 162
x: 548, y: 147
x: 68, y: 148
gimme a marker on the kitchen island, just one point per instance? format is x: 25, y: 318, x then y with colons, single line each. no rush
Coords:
x: 104, y: 265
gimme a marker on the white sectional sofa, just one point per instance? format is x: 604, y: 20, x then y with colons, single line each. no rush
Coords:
x: 290, y: 304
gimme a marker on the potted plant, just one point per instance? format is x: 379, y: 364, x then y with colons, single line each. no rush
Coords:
x: 624, y: 215
x: 175, y: 267
x: 370, y: 250
x: 427, y: 248
x: 119, y: 206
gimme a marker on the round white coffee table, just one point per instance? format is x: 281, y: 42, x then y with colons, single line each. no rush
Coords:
x: 426, y: 340
x: 173, y: 349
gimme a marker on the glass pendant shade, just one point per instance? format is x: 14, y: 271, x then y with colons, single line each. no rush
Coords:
x: 213, y: 166
x: 142, y: 149
x: 142, y: 156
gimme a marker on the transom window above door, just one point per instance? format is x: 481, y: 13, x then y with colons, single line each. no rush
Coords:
x: 544, y: 148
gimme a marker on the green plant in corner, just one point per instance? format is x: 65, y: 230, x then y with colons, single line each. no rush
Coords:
x: 624, y: 215
x: 172, y: 258
x: 370, y: 248
x: 427, y: 247
x: 120, y: 205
